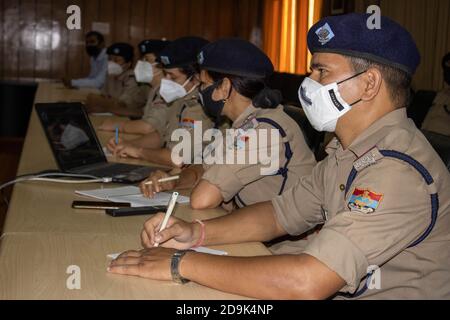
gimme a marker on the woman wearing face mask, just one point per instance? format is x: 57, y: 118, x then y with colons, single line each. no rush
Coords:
x: 119, y: 92
x: 233, y: 79
x: 148, y: 72
x: 179, y: 91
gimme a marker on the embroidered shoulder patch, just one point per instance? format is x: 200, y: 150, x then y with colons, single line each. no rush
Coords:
x: 364, y: 200
x: 188, y: 123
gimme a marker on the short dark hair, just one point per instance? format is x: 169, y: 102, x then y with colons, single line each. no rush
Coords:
x: 96, y: 34
x: 255, y: 89
x: 190, y: 69
x: 398, y: 81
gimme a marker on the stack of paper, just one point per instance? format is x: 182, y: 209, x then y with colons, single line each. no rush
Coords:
x: 132, y: 195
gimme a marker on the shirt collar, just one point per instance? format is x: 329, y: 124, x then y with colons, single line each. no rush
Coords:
x: 370, y: 137
x: 239, y: 122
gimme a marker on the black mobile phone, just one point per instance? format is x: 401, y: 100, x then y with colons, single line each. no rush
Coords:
x: 98, y: 205
x: 125, y: 212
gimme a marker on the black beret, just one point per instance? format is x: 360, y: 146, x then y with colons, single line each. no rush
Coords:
x: 123, y: 50
x: 349, y: 35
x: 152, y: 46
x: 181, y: 52
x: 237, y: 57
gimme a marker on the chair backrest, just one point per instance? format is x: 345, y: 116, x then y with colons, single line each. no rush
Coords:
x: 441, y: 144
x: 288, y: 84
x: 420, y: 105
x: 16, y: 101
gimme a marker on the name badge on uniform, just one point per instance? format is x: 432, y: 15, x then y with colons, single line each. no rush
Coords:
x: 364, y: 201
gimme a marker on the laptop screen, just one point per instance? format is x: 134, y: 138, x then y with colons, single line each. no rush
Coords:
x: 70, y: 134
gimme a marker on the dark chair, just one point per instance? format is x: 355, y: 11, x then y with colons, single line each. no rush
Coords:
x: 421, y: 103
x: 441, y: 144
x: 288, y: 84
x: 16, y: 101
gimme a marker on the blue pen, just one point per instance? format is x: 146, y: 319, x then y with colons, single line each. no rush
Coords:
x: 117, y: 135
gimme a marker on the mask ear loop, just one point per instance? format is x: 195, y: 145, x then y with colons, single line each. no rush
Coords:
x: 153, y: 66
x: 193, y: 88
x: 352, y: 77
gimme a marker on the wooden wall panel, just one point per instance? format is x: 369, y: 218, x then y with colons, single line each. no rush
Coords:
x: 45, y: 39
x: 61, y: 36
x: 27, y: 42
x: 75, y: 48
x: 35, y: 42
x: 11, y: 38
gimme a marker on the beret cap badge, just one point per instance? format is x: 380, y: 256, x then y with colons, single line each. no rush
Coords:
x: 165, y: 60
x: 201, y: 58
x: 325, y: 34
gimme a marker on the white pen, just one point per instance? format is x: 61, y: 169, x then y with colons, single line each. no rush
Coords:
x: 172, y: 202
x: 163, y: 180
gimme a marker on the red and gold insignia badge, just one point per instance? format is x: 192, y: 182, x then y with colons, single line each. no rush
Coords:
x: 364, y: 200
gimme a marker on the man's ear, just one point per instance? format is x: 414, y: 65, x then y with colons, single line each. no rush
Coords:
x: 373, y: 82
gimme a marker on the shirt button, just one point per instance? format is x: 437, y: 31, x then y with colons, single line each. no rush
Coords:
x: 342, y: 187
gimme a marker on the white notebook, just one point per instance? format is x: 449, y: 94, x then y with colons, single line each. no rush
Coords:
x: 132, y: 195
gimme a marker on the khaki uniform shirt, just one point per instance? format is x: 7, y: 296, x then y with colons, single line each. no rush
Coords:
x: 246, y: 181
x: 181, y: 114
x: 438, y: 118
x: 125, y: 89
x: 386, y: 209
x: 156, y: 111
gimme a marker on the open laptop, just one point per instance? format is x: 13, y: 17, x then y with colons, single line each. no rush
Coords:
x: 76, y: 147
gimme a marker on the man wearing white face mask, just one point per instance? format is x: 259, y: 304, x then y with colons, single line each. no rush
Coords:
x: 381, y: 196
x: 148, y: 72
x: 179, y: 91
x: 121, y: 94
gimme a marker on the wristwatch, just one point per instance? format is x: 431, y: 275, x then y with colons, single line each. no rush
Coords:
x: 174, y: 267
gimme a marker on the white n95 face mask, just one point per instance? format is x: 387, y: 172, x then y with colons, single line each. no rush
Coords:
x: 114, y: 69
x: 144, y: 72
x: 171, y: 91
x: 323, y: 105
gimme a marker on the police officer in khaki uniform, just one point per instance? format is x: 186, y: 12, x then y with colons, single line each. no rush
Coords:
x: 148, y: 72
x: 234, y: 73
x: 381, y: 195
x: 181, y: 110
x: 121, y: 94
x: 438, y: 118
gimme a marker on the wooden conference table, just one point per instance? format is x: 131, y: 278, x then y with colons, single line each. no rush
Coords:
x: 43, y: 236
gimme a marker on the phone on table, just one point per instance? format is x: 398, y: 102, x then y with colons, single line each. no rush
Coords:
x: 126, y: 212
